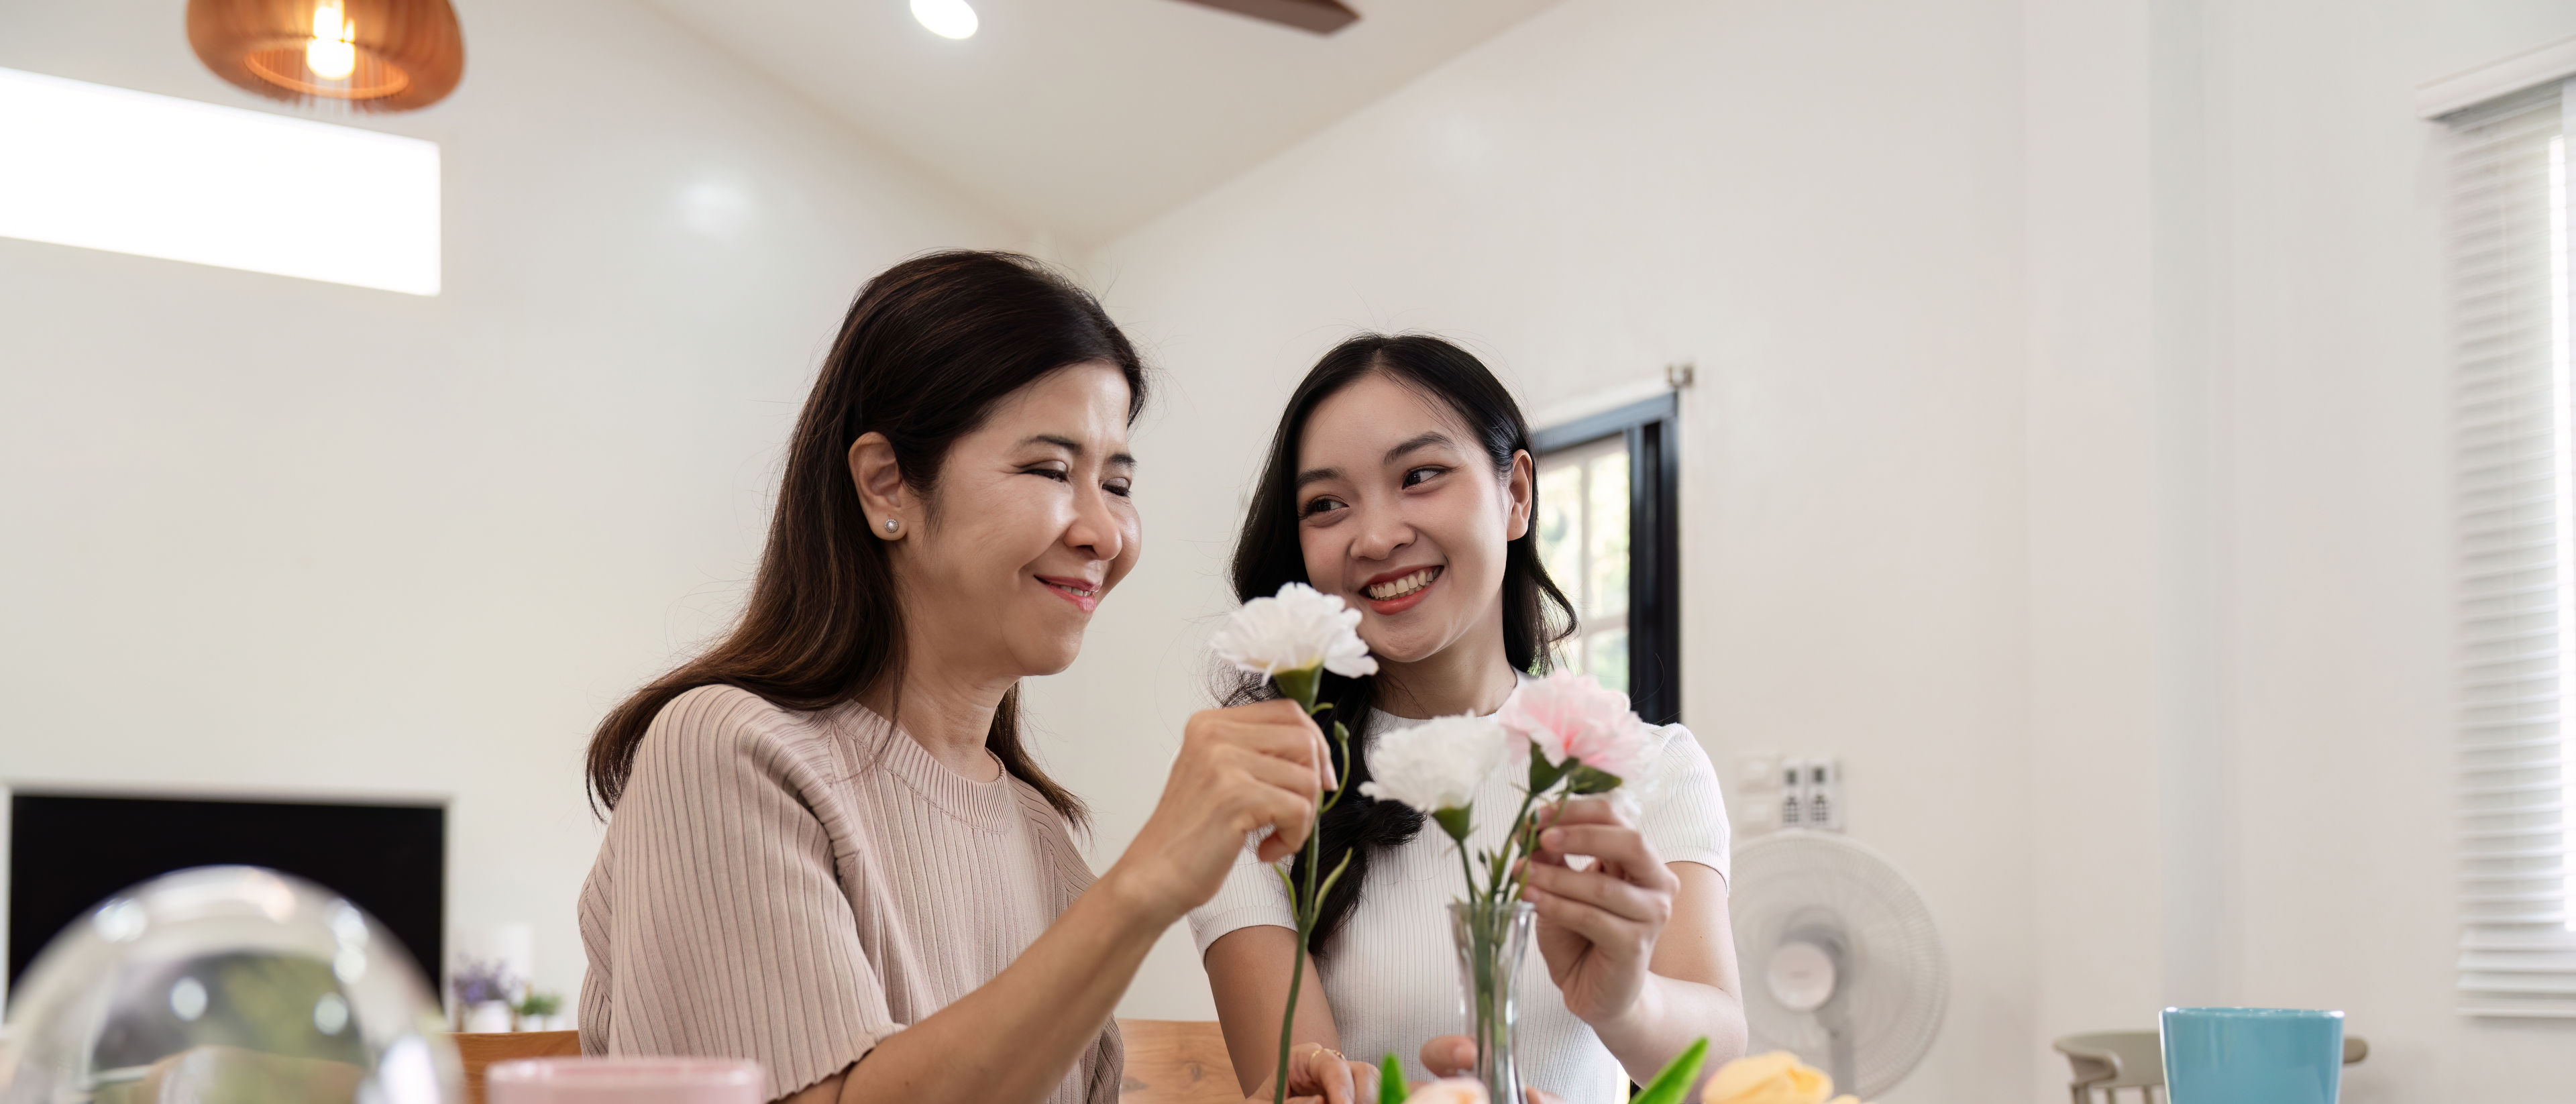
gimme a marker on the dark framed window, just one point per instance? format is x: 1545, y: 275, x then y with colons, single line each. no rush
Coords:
x: 1608, y: 529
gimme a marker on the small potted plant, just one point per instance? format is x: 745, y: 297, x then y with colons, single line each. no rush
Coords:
x: 482, y: 991
x: 536, y: 1011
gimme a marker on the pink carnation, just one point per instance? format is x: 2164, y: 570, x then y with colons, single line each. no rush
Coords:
x: 1566, y: 714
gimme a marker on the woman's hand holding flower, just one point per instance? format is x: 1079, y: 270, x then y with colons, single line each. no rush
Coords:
x: 1240, y: 771
x: 1597, y: 926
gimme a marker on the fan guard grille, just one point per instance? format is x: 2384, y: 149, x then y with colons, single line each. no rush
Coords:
x: 1895, y: 977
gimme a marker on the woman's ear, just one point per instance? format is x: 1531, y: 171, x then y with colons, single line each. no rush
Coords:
x: 1516, y: 525
x: 883, y: 497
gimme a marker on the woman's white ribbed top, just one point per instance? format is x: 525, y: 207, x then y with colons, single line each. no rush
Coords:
x: 1392, y: 973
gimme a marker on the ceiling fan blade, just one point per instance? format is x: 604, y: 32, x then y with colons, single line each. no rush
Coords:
x: 1320, y: 16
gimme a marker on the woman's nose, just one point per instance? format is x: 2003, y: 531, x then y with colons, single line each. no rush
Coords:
x: 1096, y: 529
x: 1382, y: 533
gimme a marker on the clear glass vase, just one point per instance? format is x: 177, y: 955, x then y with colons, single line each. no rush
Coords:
x: 1491, y: 941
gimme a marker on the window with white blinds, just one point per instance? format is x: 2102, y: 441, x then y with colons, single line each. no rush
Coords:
x: 2517, y: 530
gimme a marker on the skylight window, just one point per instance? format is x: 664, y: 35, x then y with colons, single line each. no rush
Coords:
x: 130, y: 172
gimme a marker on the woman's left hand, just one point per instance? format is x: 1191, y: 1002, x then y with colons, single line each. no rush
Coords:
x: 1597, y: 926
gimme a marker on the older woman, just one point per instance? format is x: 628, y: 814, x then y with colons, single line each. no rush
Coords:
x: 829, y: 849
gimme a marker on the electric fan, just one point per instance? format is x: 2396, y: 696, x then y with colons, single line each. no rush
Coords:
x: 1841, y: 960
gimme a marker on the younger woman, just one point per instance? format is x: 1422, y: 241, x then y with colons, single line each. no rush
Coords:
x: 1401, y: 480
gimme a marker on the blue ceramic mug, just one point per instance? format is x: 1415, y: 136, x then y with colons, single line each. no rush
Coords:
x: 2252, y: 1056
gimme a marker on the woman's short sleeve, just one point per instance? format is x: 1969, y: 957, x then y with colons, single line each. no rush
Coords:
x: 715, y: 922
x: 1681, y: 810
x: 1251, y: 896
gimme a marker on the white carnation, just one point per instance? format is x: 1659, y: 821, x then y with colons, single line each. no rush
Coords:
x: 1299, y: 630
x: 1436, y: 765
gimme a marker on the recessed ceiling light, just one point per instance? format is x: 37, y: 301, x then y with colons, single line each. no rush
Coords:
x: 946, y: 18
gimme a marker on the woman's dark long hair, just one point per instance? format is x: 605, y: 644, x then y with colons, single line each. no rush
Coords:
x: 1536, y: 615
x: 928, y: 348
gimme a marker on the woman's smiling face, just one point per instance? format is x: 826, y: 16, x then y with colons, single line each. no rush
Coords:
x: 1402, y: 515
x: 1030, y: 524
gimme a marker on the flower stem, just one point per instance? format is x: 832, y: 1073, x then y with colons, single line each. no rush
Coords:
x: 1302, y: 690
x: 1520, y: 880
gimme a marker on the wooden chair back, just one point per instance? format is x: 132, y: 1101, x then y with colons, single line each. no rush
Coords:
x: 1177, y: 1062
x: 480, y: 1050
x: 2109, y: 1061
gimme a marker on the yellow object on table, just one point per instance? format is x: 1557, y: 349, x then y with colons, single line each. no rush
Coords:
x: 1774, y: 1078
x: 1449, y: 1090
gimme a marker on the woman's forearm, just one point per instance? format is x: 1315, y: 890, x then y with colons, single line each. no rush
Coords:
x: 1248, y: 974
x: 1012, y: 1039
x: 1668, y: 1015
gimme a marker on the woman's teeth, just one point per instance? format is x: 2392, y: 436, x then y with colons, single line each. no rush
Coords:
x: 1077, y: 592
x: 1398, y: 588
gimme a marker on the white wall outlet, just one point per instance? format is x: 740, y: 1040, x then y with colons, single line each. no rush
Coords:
x: 1811, y: 794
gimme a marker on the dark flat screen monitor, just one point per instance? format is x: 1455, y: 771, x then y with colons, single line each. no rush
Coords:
x: 69, y: 850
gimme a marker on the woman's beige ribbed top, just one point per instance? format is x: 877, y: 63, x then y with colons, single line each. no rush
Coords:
x: 796, y: 887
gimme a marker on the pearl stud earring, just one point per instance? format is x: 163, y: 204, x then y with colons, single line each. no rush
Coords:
x: 890, y: 525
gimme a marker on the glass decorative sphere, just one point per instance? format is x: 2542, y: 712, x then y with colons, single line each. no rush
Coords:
x: 225, y: 985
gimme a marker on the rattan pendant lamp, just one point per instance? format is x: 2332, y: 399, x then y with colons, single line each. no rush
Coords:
x: 370, y: 55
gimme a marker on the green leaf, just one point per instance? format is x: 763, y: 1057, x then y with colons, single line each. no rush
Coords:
x: 1454, y: 822
x: 1592, y: 780
x: 1391, y: 1088
x: 1675, y: 1079
x: 1335, y: 876
x: 1543, y: 774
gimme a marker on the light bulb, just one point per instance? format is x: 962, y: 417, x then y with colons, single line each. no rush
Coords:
x: 946, y: 18
x: 330, y: 58
x: 333, y: 53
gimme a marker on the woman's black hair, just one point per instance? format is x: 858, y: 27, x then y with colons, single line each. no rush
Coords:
x: 925, y: 352
x: 1536, y: 615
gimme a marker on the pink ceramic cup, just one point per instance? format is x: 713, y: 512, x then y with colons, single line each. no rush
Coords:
x: 625, y: 1081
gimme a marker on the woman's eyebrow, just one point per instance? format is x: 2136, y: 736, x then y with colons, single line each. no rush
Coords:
x: 1068, y: 444
x: 1411, y: 444
x: 1419, y: 441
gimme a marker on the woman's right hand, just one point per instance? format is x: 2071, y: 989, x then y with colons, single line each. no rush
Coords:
x: 1317, y: 1075
x: 1241, y: 770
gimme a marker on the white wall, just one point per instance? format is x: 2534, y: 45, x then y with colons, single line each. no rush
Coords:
x: 280, y: 535
x: 2069, y: 456
x: 2336, y: 432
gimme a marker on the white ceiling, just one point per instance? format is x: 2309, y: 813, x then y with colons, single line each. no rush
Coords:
x: 1084, y: 118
